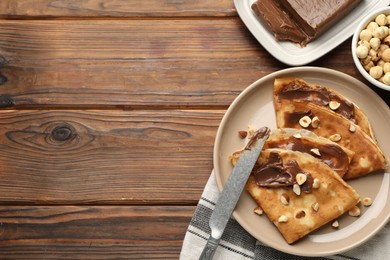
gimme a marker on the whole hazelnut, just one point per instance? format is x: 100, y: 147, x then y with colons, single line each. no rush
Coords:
x: 365, y: 35
x: 365, y: 43
x: 386, y: 55
x: 386, y: 79
x: 374, y: 55
x: 376, y: 72
x: 383, y: 47
x: 381, y: 19
x: 361, y: 52
x: 375, y: 43
x: 380, y: 32
x: 386, y: 67
x: 372, y: 26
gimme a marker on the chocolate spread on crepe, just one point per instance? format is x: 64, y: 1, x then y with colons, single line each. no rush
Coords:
x: 301, y: 21
x: 301, y: 213
x: 297, y: 89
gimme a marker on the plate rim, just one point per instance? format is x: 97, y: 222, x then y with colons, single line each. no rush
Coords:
x: 232, y: 107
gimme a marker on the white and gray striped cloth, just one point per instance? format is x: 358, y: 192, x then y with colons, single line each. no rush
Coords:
x: 236, y: 243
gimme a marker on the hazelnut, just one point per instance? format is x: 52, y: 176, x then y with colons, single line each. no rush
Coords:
x: 369, y: 65
x: 366, y: 35
x: 386, y: 67
x: 388, y: 19
x: 285, y: 199
x: 376, y: 71
x: 316, y: 151
x: 297, y: 189
x: 335, y: 138
x: 282, y: 219
x: 305, y: 121
x: 354, y: 212
x: 364, y: 43
x: 316, y: 183
x: 297, y: 135
x: 362, y: 51
x: 315, y: 122
x: 367, y: 201
x: 352, y: 128
x: 386, y: 55
x: 372, y: 26
x: 242, y: 134
x: 383, y: 47
x: 375, y: 43
x: 380, y: 63
x: 334, y: 105
x: 379, y: 32
x: 386, y: 79
x: 315, y: 206
x: 301, y: 178
x: 258, y: 210
x: 386, y: 40
x: 375, y: 55
x: 300, y: 214
x: 335, y: 224
x: 381, y: 19
x: 366, y: 60
x: 386, y: 30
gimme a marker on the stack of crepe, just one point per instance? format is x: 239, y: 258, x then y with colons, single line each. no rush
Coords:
x: 323, y: 139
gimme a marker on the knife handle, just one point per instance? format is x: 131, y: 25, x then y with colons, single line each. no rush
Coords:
x: 209, y: 249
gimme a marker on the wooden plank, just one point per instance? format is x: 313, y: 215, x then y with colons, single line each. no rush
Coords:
x: 114, y: 8
x: 105, y: 157
x: 114, y: 232
x: 175, y: 63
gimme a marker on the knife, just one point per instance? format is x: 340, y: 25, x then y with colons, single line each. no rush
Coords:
x: 232, y: 190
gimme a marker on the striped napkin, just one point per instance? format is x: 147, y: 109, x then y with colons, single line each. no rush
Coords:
x: 236, y: 243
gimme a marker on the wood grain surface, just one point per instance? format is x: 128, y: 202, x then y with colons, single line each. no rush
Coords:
x: 108, y: 114
x: 115, y: 8
x: 105, y: 156
x: 86, y: 232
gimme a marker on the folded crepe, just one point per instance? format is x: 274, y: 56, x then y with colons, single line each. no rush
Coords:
x: 298, y: 192
x: 368, y: 156
x: 330, y: 153
x: 297, y: 89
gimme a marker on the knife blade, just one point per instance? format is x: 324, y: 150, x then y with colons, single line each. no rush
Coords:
x: 232, y: 191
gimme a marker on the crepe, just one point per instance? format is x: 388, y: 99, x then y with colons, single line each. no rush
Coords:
x: 368, y: 156
x: 323, y: 197
x: 297, y: 89
x: 330, y: 153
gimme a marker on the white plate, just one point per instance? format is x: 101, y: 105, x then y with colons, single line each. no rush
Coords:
x: 254, y: 106
x: 294, y: 55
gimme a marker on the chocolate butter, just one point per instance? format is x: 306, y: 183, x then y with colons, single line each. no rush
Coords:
x: 332, y: 155
x: 301, y: 21
x: 298, y: 90
x: 275, y: 174
x: 315, y: 16
x: 260, y: 133
x: 279, y: 22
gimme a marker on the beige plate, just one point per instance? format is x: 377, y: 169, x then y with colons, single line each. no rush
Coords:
x: 254, y: 106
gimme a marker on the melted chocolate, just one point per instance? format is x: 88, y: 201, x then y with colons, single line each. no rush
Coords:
x: 259, y: 134
x: 298, y: 90
x: 274, y: 174
x: 332, y: 155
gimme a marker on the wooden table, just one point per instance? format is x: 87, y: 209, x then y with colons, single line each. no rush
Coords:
x: 109, y: 111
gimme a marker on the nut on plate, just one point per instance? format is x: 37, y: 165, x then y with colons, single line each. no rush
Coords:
x: 354, y: 212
